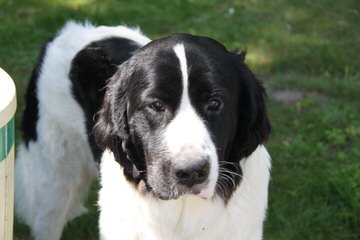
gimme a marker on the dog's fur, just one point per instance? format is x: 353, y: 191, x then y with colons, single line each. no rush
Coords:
x: 180, y: 130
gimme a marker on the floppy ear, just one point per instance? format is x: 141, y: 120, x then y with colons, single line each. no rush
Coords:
x: 253, y: 126
x: 111, y: 129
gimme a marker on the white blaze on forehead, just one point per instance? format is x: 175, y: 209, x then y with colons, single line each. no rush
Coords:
x: 187, y: 129
x: 179, y: 49
x: 186, y: 137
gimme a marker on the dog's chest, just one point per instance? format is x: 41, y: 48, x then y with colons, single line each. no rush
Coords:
x: 186, y: 218
x: 175, y: 220
x: 127, y: 215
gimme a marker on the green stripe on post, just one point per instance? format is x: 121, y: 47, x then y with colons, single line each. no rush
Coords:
x: 6, y: 139
x: 10, y: 135
x: 2, y: 143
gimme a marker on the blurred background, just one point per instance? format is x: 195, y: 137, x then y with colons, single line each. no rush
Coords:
x: 305, y: 51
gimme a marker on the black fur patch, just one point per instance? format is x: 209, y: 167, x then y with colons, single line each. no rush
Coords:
x: 90, y: 70
x: 31, y: 110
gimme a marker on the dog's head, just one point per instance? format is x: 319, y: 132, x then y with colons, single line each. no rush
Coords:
x: 180, y: 114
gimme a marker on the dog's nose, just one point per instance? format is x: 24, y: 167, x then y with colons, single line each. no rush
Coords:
x: 194, y: 174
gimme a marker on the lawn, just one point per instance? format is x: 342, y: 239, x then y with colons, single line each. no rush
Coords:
x: 306, y: 53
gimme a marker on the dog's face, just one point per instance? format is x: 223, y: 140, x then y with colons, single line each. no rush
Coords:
x: 180, y: 115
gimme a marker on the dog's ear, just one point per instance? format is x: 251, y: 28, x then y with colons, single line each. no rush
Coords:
x: 111, y: 129
x: 253, y: 126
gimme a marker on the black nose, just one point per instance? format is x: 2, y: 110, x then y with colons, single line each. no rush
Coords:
x: 194, y: 174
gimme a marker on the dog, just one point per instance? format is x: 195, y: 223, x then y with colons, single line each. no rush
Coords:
x: 177, y: 126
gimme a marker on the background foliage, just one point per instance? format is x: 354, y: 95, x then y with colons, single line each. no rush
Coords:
x: 307, y: 54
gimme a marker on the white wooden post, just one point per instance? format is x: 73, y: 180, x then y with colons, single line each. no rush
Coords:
x: 7, y: 152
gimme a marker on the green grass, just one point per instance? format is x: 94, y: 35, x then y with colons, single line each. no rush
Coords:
x: 302, y: 45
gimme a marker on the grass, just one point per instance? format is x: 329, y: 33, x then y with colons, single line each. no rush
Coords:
x: 300, y: 45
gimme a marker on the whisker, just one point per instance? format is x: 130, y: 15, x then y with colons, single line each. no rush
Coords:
x: 229, y: 178
x: 236, y: 165
x: 230, y: 172
x: 227, y: 162
x: 220, y: 186
x: 221, y: 191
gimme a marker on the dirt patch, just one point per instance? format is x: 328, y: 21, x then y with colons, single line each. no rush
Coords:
x: 290, y: 97
x: 286, y: 96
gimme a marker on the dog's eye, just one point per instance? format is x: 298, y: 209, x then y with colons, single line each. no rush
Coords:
x: 157, y: 106
x: 213, y: 104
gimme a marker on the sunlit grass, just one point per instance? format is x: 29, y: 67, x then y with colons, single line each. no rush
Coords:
x: 258, y: 57
x: 75, y: 4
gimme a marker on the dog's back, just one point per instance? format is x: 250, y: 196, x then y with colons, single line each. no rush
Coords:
x: 55, y: 161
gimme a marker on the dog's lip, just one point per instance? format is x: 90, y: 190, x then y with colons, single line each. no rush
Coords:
x: 200, y: 190
x: 169, y: 198
x: 204, y: 193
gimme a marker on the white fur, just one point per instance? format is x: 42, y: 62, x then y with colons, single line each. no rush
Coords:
x: 125, y: 214
x: 54, y: 172
x: 186, y: 135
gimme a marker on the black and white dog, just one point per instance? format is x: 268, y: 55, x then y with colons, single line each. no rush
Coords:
x: 178, y: 124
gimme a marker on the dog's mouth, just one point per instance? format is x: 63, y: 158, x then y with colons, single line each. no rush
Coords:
x: 200, y: 190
